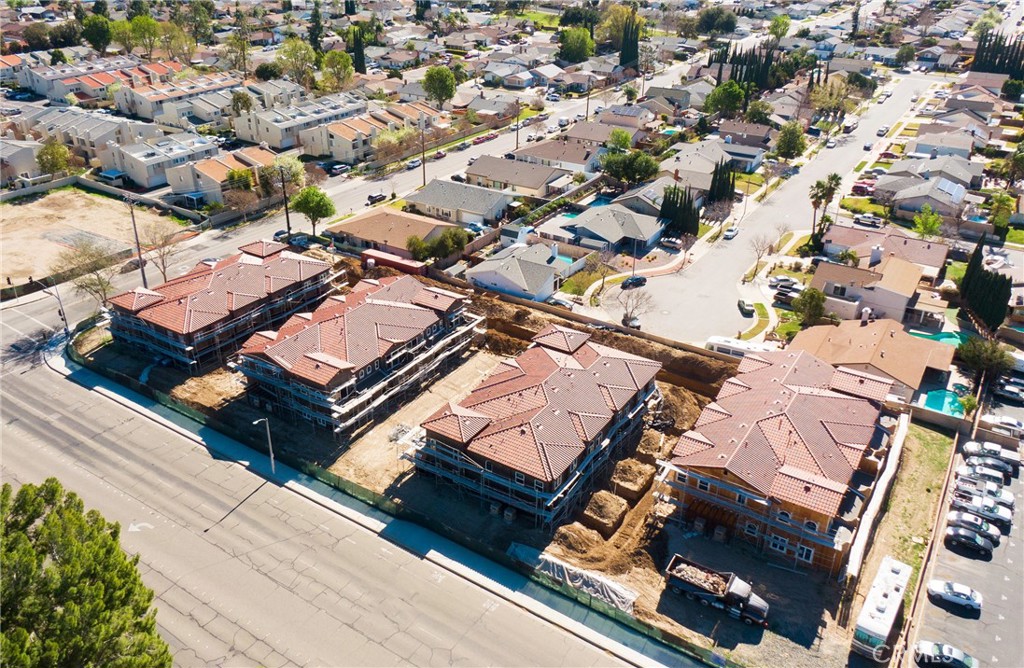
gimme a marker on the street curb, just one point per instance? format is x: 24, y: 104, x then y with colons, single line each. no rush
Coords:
x: 259, y: 464
x: 30, y: 298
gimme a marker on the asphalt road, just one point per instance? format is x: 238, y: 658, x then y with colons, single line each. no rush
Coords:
x: 246, y: 572
x: 701, y: 301
x: 994, y: 637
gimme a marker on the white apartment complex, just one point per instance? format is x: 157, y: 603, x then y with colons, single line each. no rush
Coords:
x: 147, y: 163
x: 148, y: 101
x: 279, y: 128
x: 86, y: 133
x: 351, y: 140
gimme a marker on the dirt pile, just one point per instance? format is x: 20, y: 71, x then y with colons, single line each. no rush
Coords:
x: 212, y: 390
x: 681, y: 406
x: 604, y: 513
x: 577, y: 539
x: 713, y: 582
x: 503, y: 344
x: 654, y: 446
x: 632, y: 478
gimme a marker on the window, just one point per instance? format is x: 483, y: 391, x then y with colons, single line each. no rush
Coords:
x: 520, y: 478
x: 804, y: 553
x: 741, y: 499
x: 783, y: 517
x: 750, y: 529
x: 811, y: 526
x: 538, y: 485
x: 703, y: 485
x: 681, y: 477
x: 488, y: 466
x: 839, y: 290
x: 778, y: 543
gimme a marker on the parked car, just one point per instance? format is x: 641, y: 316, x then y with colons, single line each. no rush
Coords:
x: 986, y: 509
x: 979, y: 474
x: 745, y: 308
x: 413, y: 164
x: 987, y: 449
x: 1004, y: 424
x: 888, y: 155
x: 632, y: 323
x: 992, y: 463
x: 970, y: 540
x: 339, y: 169
x: 877, y: 171
x: 987, y: 488
x: 478, y: 140
x: 868, y: 146
x: 868, y: 219
x: 581, y: 116
x: 930, y: 653
x: 280, y: 235
x: 970, y: 521
x: 561, y: 303
x: 530, y: 137
x: 439, y: 155
x: 882, y: 131
x: 376, y: 197
x: 10, y: 111
x: 1009, y: 392
x: 471, y: 160
x: 133, y: 264
x: 510, y: 156
x: 634, y: 282
x: 730, y: 232
x: 458, y: 178
x: 543, y: 117
x: 955, y: 593
x: 784, y: 297
x: 831, y: 143
x: 462, y: 146
x: 779, y: 281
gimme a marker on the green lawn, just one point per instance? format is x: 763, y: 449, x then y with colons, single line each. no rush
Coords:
x: 1015, y: 236
x: 704, y: 229
x: 748, y: 183
x: 789, y: 323
x: 578, y: 283
x: 860, y: 165
x: 862, y: 205
x: 882, y: 163
x: 799, y: 242
x: 762, y: 322
x: 756, y: 270
x: 784, y: 239
x: 955, y: 271
x: 542, y: 19
x: 893, y: 132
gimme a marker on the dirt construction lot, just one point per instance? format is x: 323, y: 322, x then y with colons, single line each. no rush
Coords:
x: 35, y: 229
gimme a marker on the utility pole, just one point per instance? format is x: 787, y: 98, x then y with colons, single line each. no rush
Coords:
x: 423, y: 152
x: 60, y: 306
x: 284, y: 193
x: 518, y: 123
x: 129, y: 201
x: 590, y: 87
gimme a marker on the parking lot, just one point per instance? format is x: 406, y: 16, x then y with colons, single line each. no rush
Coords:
x: 994, y: 637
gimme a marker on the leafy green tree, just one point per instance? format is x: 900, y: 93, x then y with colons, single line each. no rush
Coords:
x: 121, y: 33
x: 96, y: 31
x: 99, y: 8
x: 629, y: 56
x: 198, y: 20
x: 758, y: 111
x: 79, y: 11
x: 147, y: 33
x: 575, y: 45
x: 726, y: 99
x: 269, y: 176
x: 37, y: 36
x: 241, y: 102
x: 239, y: 179
x: 268, y: 71
x: 905, y: 54
x: 315, y: 30
x: 630, y: 168
x: 810, y: 306
x: 297, y: 59
x: 927, y: 223
x: 585, y: 17
x: 817, y: 198
x: 439, y: 85
x: 981, y: 355
x: 630, y: 92
x: 452, y: 240
x: 71, y: 596
x: 715, y: 21
x: 53, y: 157
x: 620, y: 140
x: 65, y: 35
x: 613, y: 24
x: 418, y: 248
x: 791, y: 142
x: 1012, y: 88
x: 779, y: 27
x: 358, y: 49
x: 57, y: 57
x: 137, y: 8
x: 1002, y: 206
x: 314, y: 204
x: 338, y: 70
x: 237, y: 49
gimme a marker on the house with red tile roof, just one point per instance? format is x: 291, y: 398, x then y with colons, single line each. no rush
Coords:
x: 201, y: 318
x: 533, y: 435
x: 206, y: 181
x: 358, y: 354
x: 784, y: 458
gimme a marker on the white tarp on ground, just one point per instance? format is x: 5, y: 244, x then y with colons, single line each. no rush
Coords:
x: 596, y: 585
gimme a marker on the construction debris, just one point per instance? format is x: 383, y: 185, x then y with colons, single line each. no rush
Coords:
x: 708, y: 580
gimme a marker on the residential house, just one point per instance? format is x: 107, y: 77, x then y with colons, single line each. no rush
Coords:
x: 889, y: 289
x: 499, y: 106
x: 951, y: 167
x: 946, y: 198
x: 545, y: 74
x: 350, y: 140
x: 202, y: 317
x: 357, y: 355
x: 206, y: 181
x: 146, y: 163
x: 882, y: 349
x: 785, y: 458
x: 275, y: 93
x: 576, y: 81
x: 498, y: 73
x: 871, y: 246
x: 460, y: 203
x: 18, y: 160
x: 978, y: 100
x: 627, y: 116
x: 399, y: 59
x: 614, y: 227
x: 597, y: 134
x: 86, y: 133
x: 884, y: 55
x: 386, y: 229
x: 148, y: 101
x: 935, y: 145
x: 280, y: 127
x: 518, y: 176
x: 747, y: 134
x: 990, y: 81
x: 536, y: 433
x: 531, y: 272
x: 858, y: 65
x: 10, y: 67
x: 574, y: 155
x: 646, y: 198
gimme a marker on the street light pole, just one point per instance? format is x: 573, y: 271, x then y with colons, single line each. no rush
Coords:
x: 519, y: 113
x: 423, y: 152
x: 129, y: 200
x: 284, y: 194
x: 60, y: 305
x: 270, y: 444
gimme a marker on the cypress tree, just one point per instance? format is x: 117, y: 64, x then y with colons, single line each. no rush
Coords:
x: 358, y: 50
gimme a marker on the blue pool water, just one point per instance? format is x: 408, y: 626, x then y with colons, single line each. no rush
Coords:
x: 565, y: 258
x: 950, y: 338
x: 601, y: 200
x: 944, y: 401
x: 977, y: 219
x: 669, y: 132
x: 570, y: 214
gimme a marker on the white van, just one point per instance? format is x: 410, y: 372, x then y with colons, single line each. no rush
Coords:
x: 563, y: 122
x: 735, y: 347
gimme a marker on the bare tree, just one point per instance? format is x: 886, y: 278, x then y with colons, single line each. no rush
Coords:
x: 781, y: 229
x: 160, y: 237
x: 314, y: 174
x: 242, y: 201
x: 719, y: 210
x: 90, y: 267
x: 599, y: 263
x: 761, y: 245
x: 635, y: 303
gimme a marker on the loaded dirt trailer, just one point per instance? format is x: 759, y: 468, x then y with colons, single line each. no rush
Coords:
x: 724, y: 591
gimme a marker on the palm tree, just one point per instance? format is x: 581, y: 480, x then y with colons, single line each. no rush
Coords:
x: 832, y: 183
x: 817, y: 195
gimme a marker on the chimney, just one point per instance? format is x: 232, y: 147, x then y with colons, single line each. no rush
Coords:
x: 676, y: 175
x: 554, y: 251
x: 876, y: 254
x: 865, y: 314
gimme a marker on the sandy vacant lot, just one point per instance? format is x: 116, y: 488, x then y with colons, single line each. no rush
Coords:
x: 34, y: 231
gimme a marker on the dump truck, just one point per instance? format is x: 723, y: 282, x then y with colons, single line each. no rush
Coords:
x: 719, y: 590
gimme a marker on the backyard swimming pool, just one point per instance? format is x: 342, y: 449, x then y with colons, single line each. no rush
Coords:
x: 944, y: 401
x: 949, y: 338
x: 601, y: 200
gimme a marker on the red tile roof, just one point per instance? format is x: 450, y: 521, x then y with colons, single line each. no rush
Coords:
x: 543, y: 407
x: 351, y: 332
x: 213, y: 292
x: 789, y: 426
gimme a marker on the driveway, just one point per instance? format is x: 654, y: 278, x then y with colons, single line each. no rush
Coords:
x: 701, y: 301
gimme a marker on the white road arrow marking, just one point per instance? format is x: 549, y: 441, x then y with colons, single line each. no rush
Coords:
x: 140, y: 526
